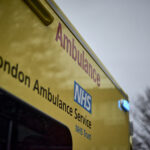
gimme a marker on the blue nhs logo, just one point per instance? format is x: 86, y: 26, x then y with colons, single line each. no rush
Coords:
x: 82, y: 97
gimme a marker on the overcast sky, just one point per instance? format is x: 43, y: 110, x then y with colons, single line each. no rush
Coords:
x: 118, y: 31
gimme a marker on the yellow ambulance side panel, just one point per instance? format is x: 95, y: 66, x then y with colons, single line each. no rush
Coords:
x: 36, y: 66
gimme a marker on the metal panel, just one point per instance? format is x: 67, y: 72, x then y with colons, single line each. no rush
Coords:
x: 84, y: 45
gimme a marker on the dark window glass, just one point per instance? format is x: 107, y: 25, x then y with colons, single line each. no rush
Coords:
x: 4, y: 123
x: 30, y: 129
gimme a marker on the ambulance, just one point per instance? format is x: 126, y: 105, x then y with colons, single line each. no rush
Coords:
x: 55, y: 93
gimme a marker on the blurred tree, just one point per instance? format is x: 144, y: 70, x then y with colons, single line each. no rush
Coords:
x: 140, y: 115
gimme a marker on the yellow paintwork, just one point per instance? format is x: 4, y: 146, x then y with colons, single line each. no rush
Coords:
x: 26, y: 41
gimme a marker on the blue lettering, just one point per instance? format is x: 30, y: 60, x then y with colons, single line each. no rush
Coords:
x: 82, y: 97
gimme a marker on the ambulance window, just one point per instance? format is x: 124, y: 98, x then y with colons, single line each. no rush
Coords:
x: 30, y: 129
x: 3, y: 132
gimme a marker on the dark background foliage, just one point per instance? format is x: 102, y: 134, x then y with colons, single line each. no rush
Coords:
x: 140, y: 116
